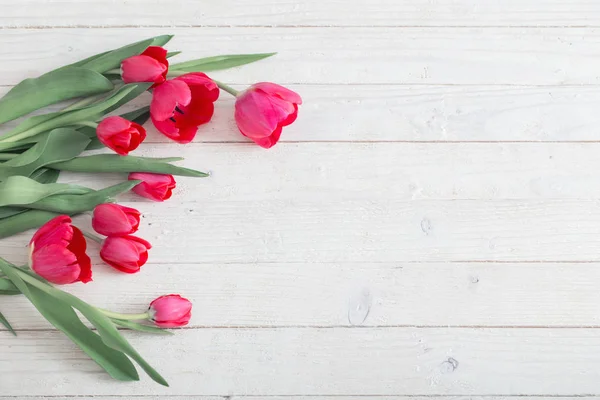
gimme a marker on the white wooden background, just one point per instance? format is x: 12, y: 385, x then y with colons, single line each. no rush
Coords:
x: 429, y: 227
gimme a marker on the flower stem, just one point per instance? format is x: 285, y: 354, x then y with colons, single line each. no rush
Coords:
x: 175, y: 74
x: 124, y: 317
x: 116, y: 71
x: 91, y: 124
x: 227, y: 88
x: 92, y: 236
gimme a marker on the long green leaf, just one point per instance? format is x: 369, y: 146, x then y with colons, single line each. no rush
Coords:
x: 60, y: 314
x: 41, y: 123
x: 20, y: 190
x: 5, y: 322
x: 113, y: 59
x: 116, y: 163
x: 51, y: 88
x: 72, y: 204
x: 106, y: 329
x: 218, y: 62
x: 42, y: 175
x: 24, y: 221
x: 7, y: 287
x: 60, y: 145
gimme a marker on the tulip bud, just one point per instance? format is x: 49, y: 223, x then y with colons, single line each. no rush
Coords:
x: 125, y: 253
x: 120, y: 135
x: 157, y: 187
x: 170, y: 311
x: 113, y: 219
x: 150, y: 66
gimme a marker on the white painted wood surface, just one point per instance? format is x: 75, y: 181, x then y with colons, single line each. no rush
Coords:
x: 428, y: 227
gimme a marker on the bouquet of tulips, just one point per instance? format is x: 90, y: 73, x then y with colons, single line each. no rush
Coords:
x: 35, y: 151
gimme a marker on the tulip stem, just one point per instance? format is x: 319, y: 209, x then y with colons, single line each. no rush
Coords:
x: 227, y: 88
x: 91, y: 124
x: 91, y: 236
x: 124, y: 317
x: 116, y: 71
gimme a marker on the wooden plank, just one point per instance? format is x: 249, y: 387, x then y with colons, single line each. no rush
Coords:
x: 325, y: 295
x: 523, y: 56
x: 325, y: 172
x: 321, y: 230
x: 339, y: 361
x: 423, y: 113
x: 28, y: 13
x: 243, y: 397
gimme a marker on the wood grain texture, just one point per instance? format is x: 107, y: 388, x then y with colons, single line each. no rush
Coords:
x: 292, y: 13
x: 518, y: 56
x: 337, y: 361
x: 420, y: 113
x: 350, y: 294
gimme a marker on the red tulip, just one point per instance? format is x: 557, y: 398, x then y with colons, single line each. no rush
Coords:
x: 263, y: 110
x: 182, y: 104
x: 170, y: 311
x: 112, y: 219
x: 157, y: 187
x: 125, y: 253
x: 150, y: 66
x: 57, y: 252
x: 120, y: 135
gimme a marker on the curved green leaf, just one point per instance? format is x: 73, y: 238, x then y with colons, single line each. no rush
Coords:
x: 7, y: 287
x: 60, y: 314
x: 112, y: 59
x: 216, y: 63
x: 60, y: 145
x: 24, y: 221
x: 51, y: 88
x: 20, y: 190
x: 41, y: 123
x: 141, y: 327
x: 116, y: 163
x: 5, y: 322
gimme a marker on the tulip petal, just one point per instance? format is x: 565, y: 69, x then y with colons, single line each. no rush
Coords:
x: 56, y: 264
x: 269, y: 141
x: 278, y: 90
x: 142, y: 68
x: 250, y: 116
x: 56, y: 231
x: 167, y: 97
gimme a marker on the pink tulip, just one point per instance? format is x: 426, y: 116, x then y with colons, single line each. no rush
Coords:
x: 182, y: 104
x: 157, y: 187
x: 112, y: 219
x: 57, y: 252
x: 263, y: 110
x: 170, y: 311
x: 120, y: 135
x: 125, y: 253
x: 150, y: 66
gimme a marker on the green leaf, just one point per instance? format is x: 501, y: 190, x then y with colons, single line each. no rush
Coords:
x: 41, y: 123
x: 106, y: 329
x: 218, y: 62
x: 116, y: 163
x: 173, y: 54
x: 60, y: 145
x: 20, y: 190
x: 7, y: 287
x: 45, y: 175
x: 60, y: 314
x: 15, y: 220
x: 24, y: 221
x: 51, y: 88
x: 5, y: 322
x: 112, y: 59
x: 141, y: 327
x: 72, y: 204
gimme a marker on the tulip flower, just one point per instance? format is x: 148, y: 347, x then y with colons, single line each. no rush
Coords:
x: 112, y: 219
x: 157, y: 187
x: 182, y: 104
x: 150, y: 66
x: 170, y: 311
x: 125, y: 253
x: 120, y: 135
x: 57, y: 252
x: 263, y: 110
